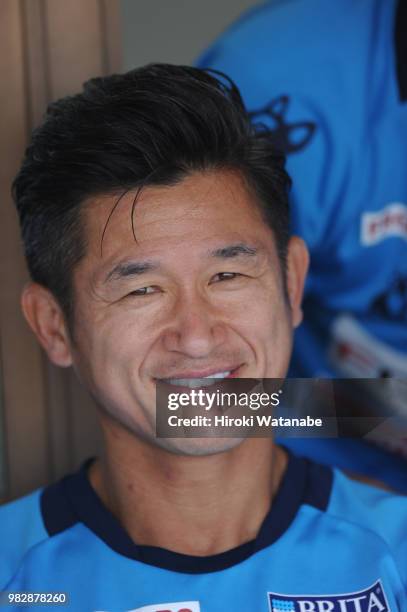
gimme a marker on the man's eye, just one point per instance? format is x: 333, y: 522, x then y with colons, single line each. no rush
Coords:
x: 142, y: 291
x: 224, y: 276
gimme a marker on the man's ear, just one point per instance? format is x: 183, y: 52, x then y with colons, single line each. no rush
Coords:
x: 297, y: 266
x: 45, y: 317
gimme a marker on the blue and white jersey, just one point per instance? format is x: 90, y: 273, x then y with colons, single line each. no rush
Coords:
x: 328, y: 544
x: 330, y: 78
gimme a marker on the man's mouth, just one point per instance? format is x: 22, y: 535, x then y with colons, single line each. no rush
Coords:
x: 203, y: 377
x: 198, y: 381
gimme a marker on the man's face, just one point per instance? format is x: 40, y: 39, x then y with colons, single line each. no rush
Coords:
x: 200, y: 292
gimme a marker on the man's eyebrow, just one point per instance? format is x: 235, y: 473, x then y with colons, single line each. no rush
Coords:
x: 130, y: 268
x: 234, y: 250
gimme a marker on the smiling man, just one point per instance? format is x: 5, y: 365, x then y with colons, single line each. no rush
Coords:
x: 155, y: 222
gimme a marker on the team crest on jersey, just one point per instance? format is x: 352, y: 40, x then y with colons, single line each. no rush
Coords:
x: 180, y: 606
x: 372, y: 599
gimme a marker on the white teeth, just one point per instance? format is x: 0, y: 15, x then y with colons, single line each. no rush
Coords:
x: 192, y: 383
x: 219, y: 375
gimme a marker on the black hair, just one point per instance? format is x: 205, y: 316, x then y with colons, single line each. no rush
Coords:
x: 150, y: 126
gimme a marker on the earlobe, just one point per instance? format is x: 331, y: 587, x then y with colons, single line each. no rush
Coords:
x: 297, y: 267
x: 43, y: 314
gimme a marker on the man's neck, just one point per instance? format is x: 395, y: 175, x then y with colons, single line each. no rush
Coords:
x: 193, y: 505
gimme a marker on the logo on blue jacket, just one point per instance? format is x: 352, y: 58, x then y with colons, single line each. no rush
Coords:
x: 371, y: 599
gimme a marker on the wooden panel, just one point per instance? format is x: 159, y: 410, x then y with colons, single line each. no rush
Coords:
x: 36, y: 60
x: 74, y: 41
x: 47, y: 49
x: 111, y: 28
x: 23, y: 385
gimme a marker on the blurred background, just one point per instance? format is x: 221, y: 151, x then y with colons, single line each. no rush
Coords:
x: 47, y: 49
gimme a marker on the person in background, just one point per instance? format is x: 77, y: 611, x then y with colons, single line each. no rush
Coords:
x: 330, y: 80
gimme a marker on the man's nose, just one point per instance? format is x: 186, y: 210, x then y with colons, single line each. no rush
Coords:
x: 196, y: 328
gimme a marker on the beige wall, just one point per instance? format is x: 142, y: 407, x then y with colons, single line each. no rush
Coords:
x: 174, y: 31
x: 47, y: 49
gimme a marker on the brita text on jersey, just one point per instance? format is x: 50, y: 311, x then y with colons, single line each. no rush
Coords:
x: 372, y: 599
